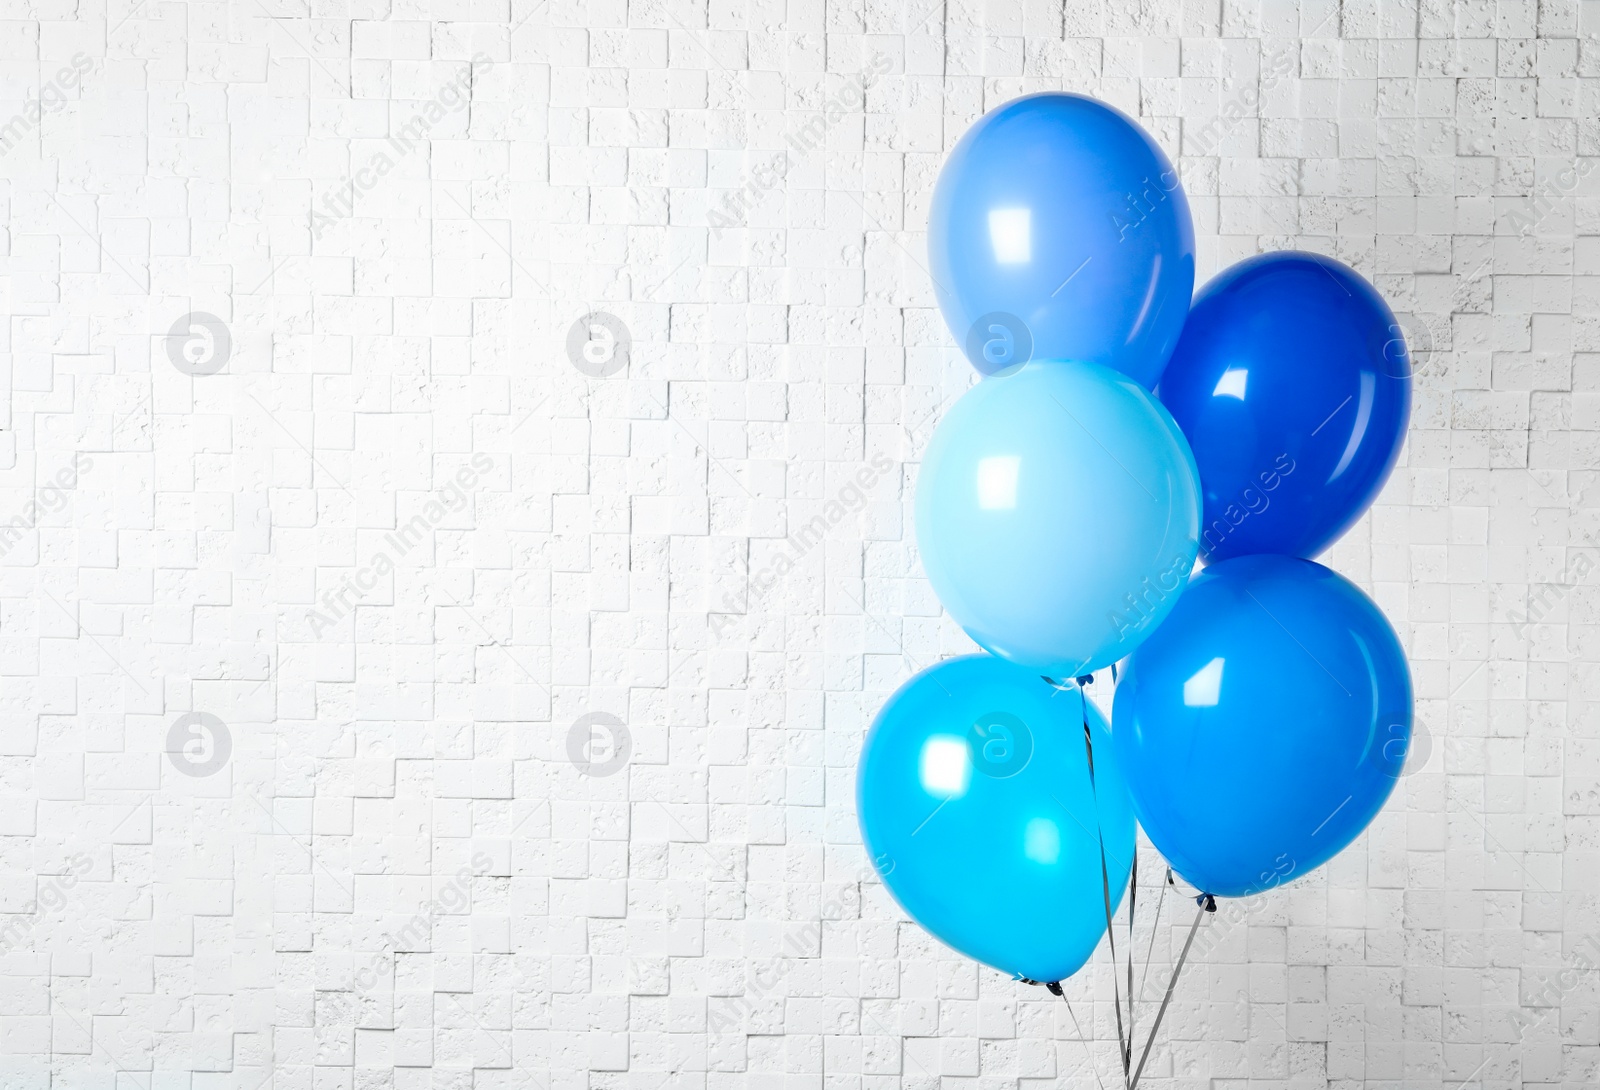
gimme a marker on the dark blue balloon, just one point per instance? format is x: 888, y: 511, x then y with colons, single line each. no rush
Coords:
x: 1262, y: 727
x: 1293, y: 385
x: 1059, y: 230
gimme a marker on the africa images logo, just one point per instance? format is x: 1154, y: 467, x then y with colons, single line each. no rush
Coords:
x: 198, y: 744
x: 52, y: 498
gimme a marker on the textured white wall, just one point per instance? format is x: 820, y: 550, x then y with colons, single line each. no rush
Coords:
x: 398, y: 691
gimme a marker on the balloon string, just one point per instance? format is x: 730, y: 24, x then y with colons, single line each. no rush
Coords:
x: 1124, y: 1044
x: 1087, y: 1050
x: 1207, y: 903
x: 1155, y: 925
x: 1133, y: 900
x: 1054, y: 988
x: 1133, y: 892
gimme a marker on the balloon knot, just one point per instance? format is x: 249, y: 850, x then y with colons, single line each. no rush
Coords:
x: 1086, y: 679
x: 1054, y: 987
x: 1211, y: 902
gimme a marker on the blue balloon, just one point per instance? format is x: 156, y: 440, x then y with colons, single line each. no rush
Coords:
x: 1264, y: 724
x: 977, y: 809
x: 1293, y: 385
x: 1059, y: 230
x: 1057, y: 515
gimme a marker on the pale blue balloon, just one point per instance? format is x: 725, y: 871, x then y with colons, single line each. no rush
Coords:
x: 977, y: 809
x: 1058, y: 515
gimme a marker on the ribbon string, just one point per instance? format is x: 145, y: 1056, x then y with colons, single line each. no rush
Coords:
x: 1133, y: 900
x: 1207, y: 904
x: 1087, y: 1051
x: 1124, y: 1042
x: 1155, y: 925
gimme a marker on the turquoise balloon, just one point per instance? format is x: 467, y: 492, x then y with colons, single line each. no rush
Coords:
x: 977, y: 809
x: 1263, y: 727
x: 1058, y: 515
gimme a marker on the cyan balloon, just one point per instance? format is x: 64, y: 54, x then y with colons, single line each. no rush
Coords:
x: 1264, y: 724
x: 1293, y: 385
x: 1057, y: 514
x: 977, y: 809
x: 1059, y: 230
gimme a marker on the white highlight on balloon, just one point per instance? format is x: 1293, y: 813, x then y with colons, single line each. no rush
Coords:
x: 1203, y: 689
x: 945, y: 768
x: 1011, y: 235
x: 1232, y: 383
x: 997, y: 482
x: 1149, y: 298
x: 1041, y: 841
x: 1369, y: 389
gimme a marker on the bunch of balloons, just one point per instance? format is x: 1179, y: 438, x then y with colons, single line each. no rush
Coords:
x: 1123, y: 431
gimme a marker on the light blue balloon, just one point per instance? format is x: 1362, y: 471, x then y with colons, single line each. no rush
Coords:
x: 1058, y: 515
x: 1263, y: 726
x: 1059, y: 230
x: 977, y: 809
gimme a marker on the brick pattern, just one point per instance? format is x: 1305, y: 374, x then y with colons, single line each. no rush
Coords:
x: 454, y: 532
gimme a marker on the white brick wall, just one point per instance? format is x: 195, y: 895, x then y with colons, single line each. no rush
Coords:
x: 408, y: 551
